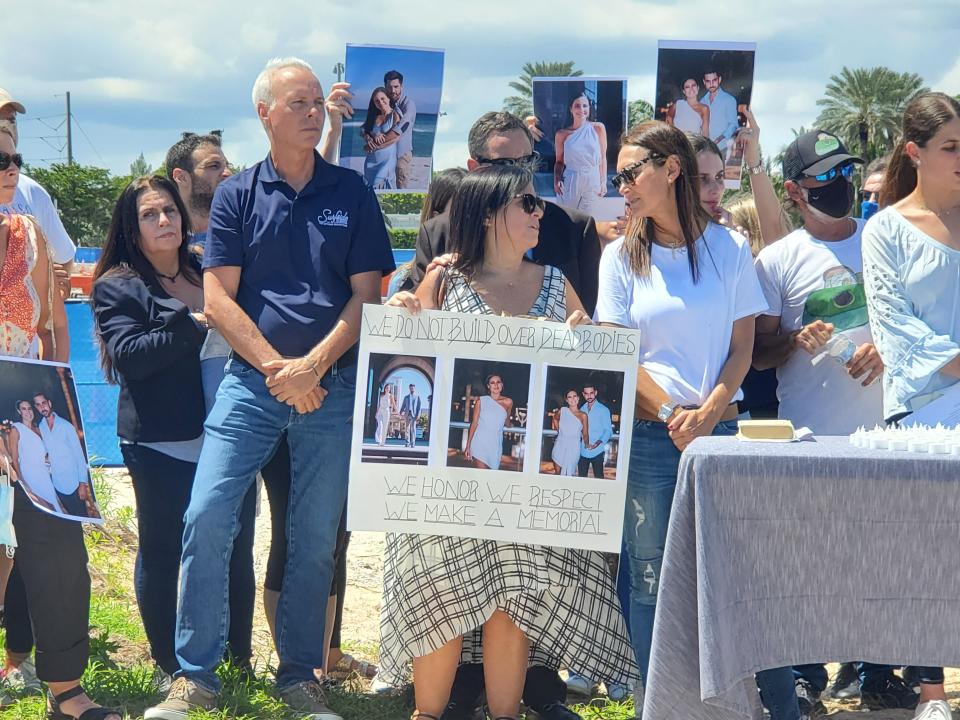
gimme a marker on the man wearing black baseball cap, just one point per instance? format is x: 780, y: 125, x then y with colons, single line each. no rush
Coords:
x: 816, y: 334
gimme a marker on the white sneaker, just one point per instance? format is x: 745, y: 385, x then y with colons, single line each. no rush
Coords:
x: 933, y: 710
x: 578, y: 684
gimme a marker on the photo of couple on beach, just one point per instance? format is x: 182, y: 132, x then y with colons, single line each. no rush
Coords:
x: 396, y: 92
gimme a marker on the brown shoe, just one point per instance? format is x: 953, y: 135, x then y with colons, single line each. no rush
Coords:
x: 184, y: 695
x: 308, y: 699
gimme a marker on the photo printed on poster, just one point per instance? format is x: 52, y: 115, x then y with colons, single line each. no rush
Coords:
x: 41, y: 435
x: 703, y: 88
x: 492, y: 427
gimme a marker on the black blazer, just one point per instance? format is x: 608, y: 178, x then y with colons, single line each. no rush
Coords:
x: 154, y: 345
x: 568, y: 240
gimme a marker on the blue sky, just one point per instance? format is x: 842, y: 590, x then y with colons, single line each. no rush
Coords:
x: 140, y: 74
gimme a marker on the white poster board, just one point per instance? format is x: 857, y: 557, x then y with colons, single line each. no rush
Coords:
x: 511, y: 429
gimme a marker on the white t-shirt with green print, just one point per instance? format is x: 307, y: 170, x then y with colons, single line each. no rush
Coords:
x: 805, y: 279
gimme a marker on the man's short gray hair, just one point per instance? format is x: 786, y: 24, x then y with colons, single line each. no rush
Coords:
x: 263, y: 85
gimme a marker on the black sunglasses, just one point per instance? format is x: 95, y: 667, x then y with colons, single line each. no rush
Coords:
x: 7, y: 158
x: 629, y: 174
x: 530, y: 203
x: 526, y: 161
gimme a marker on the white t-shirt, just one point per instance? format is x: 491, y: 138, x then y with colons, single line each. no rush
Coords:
x: 31, y: 199
x: 805, y: 279
x: 685, y: 327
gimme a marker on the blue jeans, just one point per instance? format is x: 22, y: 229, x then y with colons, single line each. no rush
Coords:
x: 651, y: 481
x: 242, y: 432
x: 162, y: 486
x: 778, y: 694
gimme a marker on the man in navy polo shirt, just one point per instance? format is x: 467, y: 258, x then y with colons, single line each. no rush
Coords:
x: 295, y: 247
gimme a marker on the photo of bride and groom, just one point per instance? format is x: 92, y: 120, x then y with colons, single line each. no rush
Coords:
x: 391, y: 142
x: 42, y: 442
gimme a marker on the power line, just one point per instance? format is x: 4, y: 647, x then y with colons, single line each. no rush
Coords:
x: 87, y: 137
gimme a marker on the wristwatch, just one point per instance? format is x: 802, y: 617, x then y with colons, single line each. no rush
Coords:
x: 758, y: 168
x: 666, y: 410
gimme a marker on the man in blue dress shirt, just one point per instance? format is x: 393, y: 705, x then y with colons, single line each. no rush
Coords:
x: 295, y: 247
x: 723, y: 110
x: 601, y: 430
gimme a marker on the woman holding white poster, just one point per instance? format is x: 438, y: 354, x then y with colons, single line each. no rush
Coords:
x: 689, y: 284
x: 534, y: 603
x: 911, y: 266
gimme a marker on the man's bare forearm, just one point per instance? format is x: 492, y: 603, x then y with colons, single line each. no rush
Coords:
x: 772, y: 350
x: 240, y: 331
x: 342, y: 337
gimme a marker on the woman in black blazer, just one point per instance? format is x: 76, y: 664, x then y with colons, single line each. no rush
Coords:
x: 148, y: 302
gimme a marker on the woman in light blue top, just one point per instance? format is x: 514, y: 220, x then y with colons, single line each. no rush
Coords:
x: 380, y: 165
x: 911, y: 271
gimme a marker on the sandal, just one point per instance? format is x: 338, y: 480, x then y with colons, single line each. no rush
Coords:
x: 349, y: 665
x: 95, y: 713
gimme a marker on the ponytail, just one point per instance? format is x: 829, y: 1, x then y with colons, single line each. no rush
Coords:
x: 900, y: 177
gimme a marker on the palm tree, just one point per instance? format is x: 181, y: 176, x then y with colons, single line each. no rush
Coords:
x: 637, y: 112
x: 864, y: 107
x: 522, y: 105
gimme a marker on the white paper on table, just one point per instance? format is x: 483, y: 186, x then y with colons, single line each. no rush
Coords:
x: 944, y: 410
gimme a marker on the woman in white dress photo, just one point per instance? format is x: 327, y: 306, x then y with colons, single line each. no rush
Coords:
x: 385, y: 410
x: 580, y: 172
x: 573, y: 433
x: 30, y: 459
x: 688, y: 113
x: 491, y: 413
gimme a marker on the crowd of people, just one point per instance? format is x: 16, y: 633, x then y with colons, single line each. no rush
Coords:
x: 228, y: 311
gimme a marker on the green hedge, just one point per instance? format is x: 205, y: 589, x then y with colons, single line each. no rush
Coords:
x: 401, y: 203
x: 402, y: 238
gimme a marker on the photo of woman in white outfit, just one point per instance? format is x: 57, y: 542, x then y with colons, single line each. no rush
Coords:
x: 380, y: 163
x: 491, y: 413
x: 573, y: 433
x: 580, y: 170
x: 688, y: 113
x: 30, y: 459
x: 385, y: 410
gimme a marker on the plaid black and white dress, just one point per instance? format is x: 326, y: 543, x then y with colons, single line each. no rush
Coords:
x: 438, y: 588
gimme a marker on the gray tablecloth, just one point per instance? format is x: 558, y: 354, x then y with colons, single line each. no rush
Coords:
x: 782, y: 554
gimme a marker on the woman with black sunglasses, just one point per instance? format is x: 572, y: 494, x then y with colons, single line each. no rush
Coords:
x: 438, y: 589
x: 690, y: 286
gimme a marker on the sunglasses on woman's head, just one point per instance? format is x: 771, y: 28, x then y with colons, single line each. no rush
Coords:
x: 629, y: 174
x: 845, y: 169
x: 530, y: 203
x: 7, y: 158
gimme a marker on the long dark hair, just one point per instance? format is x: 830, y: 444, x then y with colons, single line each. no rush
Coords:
x: 573, y: 99
x: 922, y: 119
x: 701, y: 143
x: 664, y: 140
x: 122, y: 254
x: 481, y: 195
x: 373, y: 110
x: 441, y: 191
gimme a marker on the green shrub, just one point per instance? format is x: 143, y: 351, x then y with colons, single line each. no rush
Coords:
x: 400, y: 238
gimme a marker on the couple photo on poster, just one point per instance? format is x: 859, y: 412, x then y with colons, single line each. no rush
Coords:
x: 704, y: 88
x: 581, y: 427
x: 42, y: 438
x: 396, y: 93
x: 581, y: 120
x: 398, y: 409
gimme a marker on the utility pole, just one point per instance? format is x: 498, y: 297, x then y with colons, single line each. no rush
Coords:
x: 69, y: 132
x: 338, y: 71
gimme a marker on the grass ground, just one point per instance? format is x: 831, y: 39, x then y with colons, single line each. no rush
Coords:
x: 120, y: 673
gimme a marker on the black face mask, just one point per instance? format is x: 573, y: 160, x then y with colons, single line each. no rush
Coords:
x: 834, y: 199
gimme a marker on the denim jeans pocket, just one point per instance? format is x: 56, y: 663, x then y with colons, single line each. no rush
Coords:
x: 347, y: 376
x: 238, y: 368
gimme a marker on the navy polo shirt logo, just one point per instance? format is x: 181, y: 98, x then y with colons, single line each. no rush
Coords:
x: 340, y: 218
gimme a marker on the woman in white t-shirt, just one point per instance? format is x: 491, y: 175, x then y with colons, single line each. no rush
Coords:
x: 689, y: 285
x: 911, y: 274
